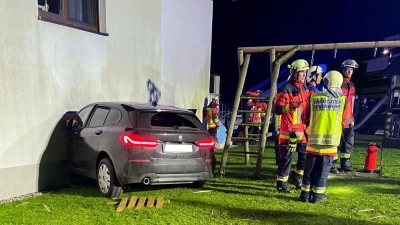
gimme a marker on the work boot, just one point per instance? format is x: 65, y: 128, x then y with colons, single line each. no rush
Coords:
x: 282, y: 187
x: 334, y: 169
x: 345, y: 165
x: 318, y: 198
x: 305, y: 196
x: 295, y: 179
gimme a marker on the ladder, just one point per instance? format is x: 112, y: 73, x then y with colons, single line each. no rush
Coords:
x: 246, y: 124
x: 243, y: 63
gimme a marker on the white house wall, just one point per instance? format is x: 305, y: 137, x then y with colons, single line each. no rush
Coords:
x: 47, y: 69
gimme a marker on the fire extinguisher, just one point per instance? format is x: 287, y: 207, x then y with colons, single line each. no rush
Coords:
x: 370, y: 158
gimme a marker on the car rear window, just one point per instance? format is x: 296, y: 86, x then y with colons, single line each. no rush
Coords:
x: 168, y: 120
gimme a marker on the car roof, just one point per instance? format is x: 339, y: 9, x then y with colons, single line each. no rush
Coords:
x: 142, y: 106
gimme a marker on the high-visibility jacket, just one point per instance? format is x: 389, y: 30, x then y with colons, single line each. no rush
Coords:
x: 349, y: 91
x: 292, y: 91
x: 212, y: 115
x: 256, y: 117
x: 325, y: 130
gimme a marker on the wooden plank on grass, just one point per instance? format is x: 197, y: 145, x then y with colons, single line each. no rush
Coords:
x: 160, y: 202
x: 140, y: 204
x: 150, y: 202
x: 122, y: 204
x: 132, y: 202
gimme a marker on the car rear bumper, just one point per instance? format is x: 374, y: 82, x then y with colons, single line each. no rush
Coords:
x: 160, y: 171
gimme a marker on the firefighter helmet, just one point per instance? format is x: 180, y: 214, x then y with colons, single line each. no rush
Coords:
x: 215, y: 97
x: 316, y: 70
x: 349, y: 63
x: 298, y: 65
x: 333, y: 79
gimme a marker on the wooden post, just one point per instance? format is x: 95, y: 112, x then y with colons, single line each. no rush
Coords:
x: 264, y: 131
x: 242, y: 78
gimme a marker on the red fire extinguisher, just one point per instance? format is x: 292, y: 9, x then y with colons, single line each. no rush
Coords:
x: 370, y: 158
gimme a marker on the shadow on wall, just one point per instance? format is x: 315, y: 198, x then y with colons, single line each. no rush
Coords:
x: 204, y: 112
x: 53, y: 166
x: 154, y: 93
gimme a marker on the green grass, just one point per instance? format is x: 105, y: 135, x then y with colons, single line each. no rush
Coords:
x: 236, y: 198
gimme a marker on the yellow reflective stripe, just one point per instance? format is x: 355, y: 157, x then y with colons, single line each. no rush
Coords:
x: 326, y: 150
x: 297, y: 116
x: 285, y: 108
x: 344, y: 156
x: 335, y: 157
x: 305, y: 188
x: 283, y: 179
x: 300, y: 172
x: 286, y: 135
x: 299, y: 138
x: 319, y: 190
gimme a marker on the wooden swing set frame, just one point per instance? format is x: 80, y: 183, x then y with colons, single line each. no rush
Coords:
x: 276, y: 60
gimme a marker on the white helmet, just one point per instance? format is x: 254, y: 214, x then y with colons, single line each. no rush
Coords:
x: 215, y: 97
x: 298, y: 65
x: 333, y: 79
x: 316, y: 70
x: 349, y: 63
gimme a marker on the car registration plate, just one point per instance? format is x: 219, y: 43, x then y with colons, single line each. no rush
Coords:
x: 177, y: 148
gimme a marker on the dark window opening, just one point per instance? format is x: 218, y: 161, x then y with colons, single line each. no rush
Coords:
x: 172, y: 120
x: 99, y: 116
x: 75, y: 13
x: 113, y: 117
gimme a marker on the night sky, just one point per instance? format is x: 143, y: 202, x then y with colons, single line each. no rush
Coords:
x: 245, y: 23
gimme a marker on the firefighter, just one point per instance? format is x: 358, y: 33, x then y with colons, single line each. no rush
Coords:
x: 256, y: 117
x: 347, y: 142
x: 212, y: 116
x: 315, y: 78
x: 291, y: 101
x: 324, y: 132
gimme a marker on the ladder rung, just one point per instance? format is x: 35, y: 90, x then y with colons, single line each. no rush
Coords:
x: 243, y: 138
x: 254, y: 134
x: 251, y: 111
x: 249, y: 124
x: 245, y: 153
x: 253, y: 97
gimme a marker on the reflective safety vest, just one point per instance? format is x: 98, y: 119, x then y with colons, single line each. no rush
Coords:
x: 325, y: 129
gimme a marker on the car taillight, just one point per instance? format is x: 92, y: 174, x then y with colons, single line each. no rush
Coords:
x: 133, y: 140
x: 207, y: 143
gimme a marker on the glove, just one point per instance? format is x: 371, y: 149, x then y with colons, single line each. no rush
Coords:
x: 351, y: 124
x: 292, y: 142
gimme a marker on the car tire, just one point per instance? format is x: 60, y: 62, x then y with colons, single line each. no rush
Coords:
x: 198, y: 184
x: 106, y: 179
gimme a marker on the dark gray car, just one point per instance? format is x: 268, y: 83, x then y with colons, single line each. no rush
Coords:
x: 125, y: 143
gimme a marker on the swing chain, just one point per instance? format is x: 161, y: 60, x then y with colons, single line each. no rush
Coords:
x: 335, y: 52
x: 376, y: 49
x: 312, y: 55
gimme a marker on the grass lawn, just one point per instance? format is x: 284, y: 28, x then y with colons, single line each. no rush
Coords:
x: 235, y: 198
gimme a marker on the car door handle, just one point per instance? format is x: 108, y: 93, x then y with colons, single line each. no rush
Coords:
x: 98, y: 132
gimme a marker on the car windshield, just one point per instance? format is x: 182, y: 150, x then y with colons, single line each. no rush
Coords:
x: 168, y: 120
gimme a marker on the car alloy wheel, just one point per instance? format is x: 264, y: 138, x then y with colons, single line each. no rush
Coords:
x: 104, y: 178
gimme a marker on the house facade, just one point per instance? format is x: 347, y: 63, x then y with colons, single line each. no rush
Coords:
x: 59, y: 55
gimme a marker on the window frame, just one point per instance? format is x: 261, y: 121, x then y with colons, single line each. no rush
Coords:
x: 63, y: 18
x: 94, y: 111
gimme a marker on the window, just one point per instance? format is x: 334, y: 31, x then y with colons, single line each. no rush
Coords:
x: 82, y: 14
x: 168, y: 120
x: 113, y: 117
x: 81, y: 118
x: 99, y: 116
